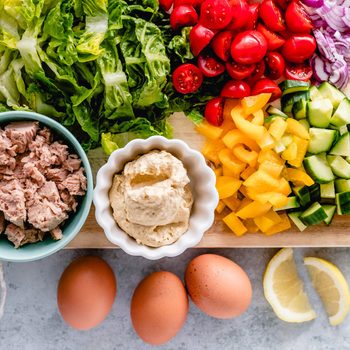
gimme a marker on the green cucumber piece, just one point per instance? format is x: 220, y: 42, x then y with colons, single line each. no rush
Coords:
x: 313, y: 215
x: 319, y: 112
x: 342, y: 185
x: 273, y: 110
x: 326, y: 90
x: 330, y: 211
x: 318, y: 168
x: 342, y: 200
x: 314, y: 94
x: 305, y: 124
x: 315, y: 193
x: 295, y: 217
x: 292, y: 204
x: 321, y: 140
x: 299, y: 109
x: 287, y: 101
x: 342, y: 114
x: 342, y: 146
x: 327, y: 190
x: 339, y: 166
x: 271, y: 118
x: 303, y: 195
x: 291, y: 86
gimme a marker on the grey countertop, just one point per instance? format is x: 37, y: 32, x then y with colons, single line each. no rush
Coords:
x: 32, y: 322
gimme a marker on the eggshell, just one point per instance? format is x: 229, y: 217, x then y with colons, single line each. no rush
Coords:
x: 218, y: 286
x: 86, y: 292
x: 159, y: 307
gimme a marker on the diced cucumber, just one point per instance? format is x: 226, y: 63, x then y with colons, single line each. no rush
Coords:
x: 292, y: 204
x: 342, y: 185
x: 319, y: 112
x: 341, y: 129
x: 330, y: 211
x: 342, y: 146
x: 303, y: 195
x: 339, y: 166
x: 321, y: 140
x: 273, y: 110
x: 291, y: 86
x: 342, y: 114
x: 327, y: 190
x: 327, y: 90
x: 287, y: 101
x: 342, y: 201
x: 313, y: 215
x: 314, y: 94
x: 295, y: 217
x: 305, y: 124
x: 315, y: 193
x: 318, y: 168
x: 299, y: 109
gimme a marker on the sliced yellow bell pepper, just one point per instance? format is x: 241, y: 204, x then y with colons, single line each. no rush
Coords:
x: 266, y: 142
x: 262, y: 181
x: 235, y: 224
x: 274, y: 198
x: 291, y: 152
x: 245, y: 155
x: 302, y: 146
x: 236, y: 137
x: 264, y: 223
x: 295, y: 128
x: 244, y: 202
x: 210, y: 131
x: 258, y: 117
x: 247, y: 172
x: 211, y: 150
x: 282, y: 226
x: 278, y: 128
x: 299, y: 177
x: 230, y: 103
x: 270, y: 155
x: 284, y: 187
x: 220, y: 207
x: 218, y: 171
x: 232, y: 202
x: 227, y: 186
x: 230, y: 162
x: 253, y: 210
x: 271, y: 168
x: 228, y: 172
x: 250, y: 225
x: 252, y: 104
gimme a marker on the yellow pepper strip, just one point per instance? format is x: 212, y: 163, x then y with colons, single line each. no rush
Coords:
x: 291, y: 152
x: 232, y: 202
x: 299, y: 177
x: 278, y: 128
x: 244, y: 155
x: 211, y: 150
x: 274, y: 198
x: 235, y: 224
x: 209, y: 131
x: 258, y: 118
x: 267, y: 221
x: 218, y: 171
x: 230, y: 162
x: 302, y: 146
x: 252, y: 104
x: 266, y: 142
x: 245, y: 201
x: 271, y: 156
x: 227, y: 186
x: 282, y: 226
x: 262, y: 182
x: 250, y: 225
x: 271, y: 168
x: 220, y: 207
x: 235, y: 137
x: 297, y: 129
x: 247, y: 172
x: 253, y: 209
x: 228, y: 172
x: 284, y: 187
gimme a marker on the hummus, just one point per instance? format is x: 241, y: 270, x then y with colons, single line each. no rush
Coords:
x: 152, y: 199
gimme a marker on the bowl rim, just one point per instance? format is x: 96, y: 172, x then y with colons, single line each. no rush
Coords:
x: 102, y: 203
x: 51, y: 123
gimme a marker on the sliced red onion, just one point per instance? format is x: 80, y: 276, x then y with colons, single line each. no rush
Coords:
x: 313, y: 3
x: 318, y: 66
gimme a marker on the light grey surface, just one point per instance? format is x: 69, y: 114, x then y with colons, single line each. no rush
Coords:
x: 32, y: 322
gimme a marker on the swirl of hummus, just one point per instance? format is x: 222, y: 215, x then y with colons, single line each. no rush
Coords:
x: 152, y: 199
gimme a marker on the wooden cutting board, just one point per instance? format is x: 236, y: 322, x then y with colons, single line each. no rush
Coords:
x: 335, y: 235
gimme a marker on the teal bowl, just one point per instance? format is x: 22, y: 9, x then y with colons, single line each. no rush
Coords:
x: 36, y: 251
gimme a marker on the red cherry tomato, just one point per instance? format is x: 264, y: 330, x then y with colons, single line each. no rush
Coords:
x: 271, y: 15
x: 282, y: 3
x: 194, y: 3
x: 258, y: 72
x: 200, y: 37
x: 298, y: 48
x: 240, y: 14
x: 215, y: 14
x: 187, y: 78
x: 248, y: 47
x: 166, y: 4
x: 297, y: 20
x: 239, y: 71
x: 221, y: 44
x: 253, y: 17
x: 301, y: 71
x: 275, y: 65
x: 214, y: 111
x: 235, y: 89
x: 209, y: 66
x: 267, y: 86
x: 274, y: 41
x: 183, y: 16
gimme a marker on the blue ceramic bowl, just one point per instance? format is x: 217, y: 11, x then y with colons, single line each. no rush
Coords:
x: 71, y: 228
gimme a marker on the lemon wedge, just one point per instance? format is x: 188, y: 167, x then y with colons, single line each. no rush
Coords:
x: 332, y: 288
x: 284, y: 290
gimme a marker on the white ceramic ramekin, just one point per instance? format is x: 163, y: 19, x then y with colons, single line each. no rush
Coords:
x: 202, y: 185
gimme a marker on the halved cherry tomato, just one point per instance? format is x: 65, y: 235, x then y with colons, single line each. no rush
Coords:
x: 275, y: 65
x: 194, y: 3
x: 271, y: 15
x: 235, y: 89
x: 239, y: 71
x: 301, y: 71
x: 268, y: 86
x: 257, y: 73
x: 187, y: 78
x: 240, y: 14
x: 281, y: 3
x: 166, y: 4
x: 215, y: 14
x: 182, y: 16
x: 248, y: 47
x: 200, y: 37
x: 214, y: 111
x: 253, y: 17
x: 299, y: 47
x: 209, y: 66
x: 274, y: 41
x: 221, y: 44
x: 297, y: 20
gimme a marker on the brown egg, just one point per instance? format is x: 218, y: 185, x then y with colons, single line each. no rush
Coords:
x: 218, y: 286
x: 159, y: 307
x: 86, y: 292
